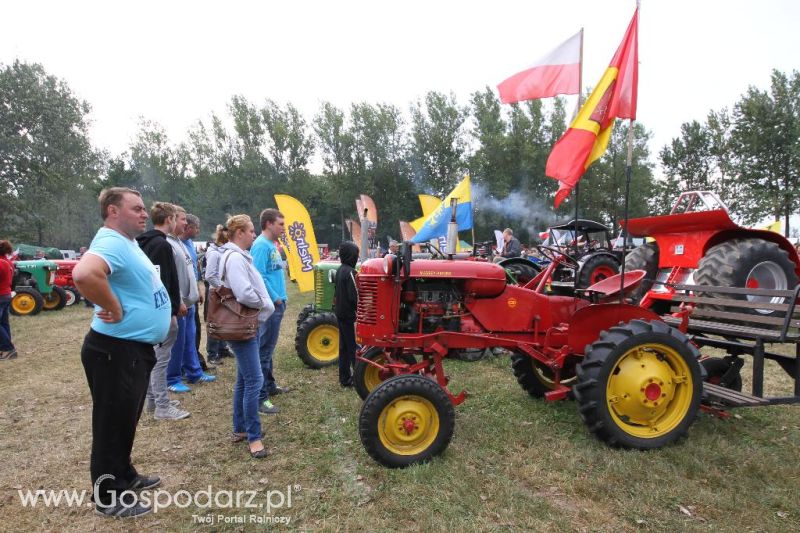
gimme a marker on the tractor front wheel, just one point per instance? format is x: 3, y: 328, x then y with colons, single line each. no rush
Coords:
x: 367, y: 377
x: 56, y: 300
x: 639, y: 385
x: 26, y: 302
x: 406, y: 420
x: 73, y: 296
x: 536, y: 378
x: 317, y: 340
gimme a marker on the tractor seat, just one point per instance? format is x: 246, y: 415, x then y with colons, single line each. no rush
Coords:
x: 610, y: 287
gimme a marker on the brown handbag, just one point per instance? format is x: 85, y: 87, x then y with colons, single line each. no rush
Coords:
x: 228, y: 320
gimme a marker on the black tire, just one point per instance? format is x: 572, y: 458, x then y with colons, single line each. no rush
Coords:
x: 535, y: 378
x: 317, y: 340
x: 56, y: 300
x: 739, y: 263
x: 470, y: 355
x: 307, y: 310
x: 716, y: 368
x: 618, y: 411
x: 26, y: 302
x: 366, y: 377
x: 522, y: 269
x: 595, y: 269
x: 645, y: 257
x: 73, y: 296
x: 381, y: 412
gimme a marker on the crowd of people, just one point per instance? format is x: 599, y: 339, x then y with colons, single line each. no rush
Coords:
x: 143, y: 341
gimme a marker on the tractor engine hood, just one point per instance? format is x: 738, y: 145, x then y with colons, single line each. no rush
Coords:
x: 717, y: 219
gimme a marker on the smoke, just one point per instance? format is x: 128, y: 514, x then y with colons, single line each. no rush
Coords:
x: 524, y: 212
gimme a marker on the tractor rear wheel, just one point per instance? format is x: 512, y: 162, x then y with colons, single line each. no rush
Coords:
x: 639, y: 385
x: 73, y: 296
x: 751, y: 263
x: 317, y: 340
x: 523, y: 270
x: 367, y: 377
x: 535, y: 378
x: 645, y: 257
x: 56, y: 300
x: 26, y: 302
x: 307, y: 311
x: 596, y: 269
x: 716, y: 372
x: 406, y: 420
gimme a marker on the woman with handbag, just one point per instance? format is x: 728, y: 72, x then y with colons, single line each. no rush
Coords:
x: 238, y: 274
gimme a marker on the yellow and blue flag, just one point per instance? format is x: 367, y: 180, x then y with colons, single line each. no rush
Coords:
x: 436, y: 224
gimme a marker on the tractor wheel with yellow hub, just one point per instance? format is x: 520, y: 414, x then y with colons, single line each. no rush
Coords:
x: 406, y: 420
x: 367, y: 377
x: 639, y: 385
x: 317, y: 340
x: 27, y: 301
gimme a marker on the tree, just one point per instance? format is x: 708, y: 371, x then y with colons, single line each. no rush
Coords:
x: 766, y: 140
x: 47, y: 164
x: 439, y: 142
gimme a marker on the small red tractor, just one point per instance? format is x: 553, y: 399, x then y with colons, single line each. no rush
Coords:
x: 637, y: 381
x: 64, y: 280
x: 698, y: 243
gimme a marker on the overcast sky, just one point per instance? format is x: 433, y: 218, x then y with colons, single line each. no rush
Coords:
x: 176, y: 62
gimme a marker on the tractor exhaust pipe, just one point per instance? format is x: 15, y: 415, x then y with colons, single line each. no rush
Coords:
x: 364, y: 248
x: 452, y: 229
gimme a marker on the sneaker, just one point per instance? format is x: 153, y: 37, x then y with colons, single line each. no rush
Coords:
x: 279, y: 390
x: 150, y: 406
x: 205, y: 378
x: 267, y: 408
x: 122, y: 511
x: 8, y: 355
x: 171, y: 413
x: 179, y: 387
x: 141, y: 482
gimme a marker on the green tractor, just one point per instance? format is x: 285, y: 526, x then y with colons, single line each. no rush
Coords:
x: 317, y: 338
x: 34, y: 288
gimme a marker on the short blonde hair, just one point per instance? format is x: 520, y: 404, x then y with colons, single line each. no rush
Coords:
x: 236, y: 223
x: 160, y: 212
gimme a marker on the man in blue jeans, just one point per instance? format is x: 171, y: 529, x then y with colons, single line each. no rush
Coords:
x: 267, y: 259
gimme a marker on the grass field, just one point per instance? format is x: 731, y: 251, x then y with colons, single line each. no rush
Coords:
x: 514, y: 463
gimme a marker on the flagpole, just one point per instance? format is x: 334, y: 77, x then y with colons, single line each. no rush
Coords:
x: 578, y: 185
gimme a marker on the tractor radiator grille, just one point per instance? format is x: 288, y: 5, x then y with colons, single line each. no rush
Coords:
x: 319, y: 286
x: 367, y: 312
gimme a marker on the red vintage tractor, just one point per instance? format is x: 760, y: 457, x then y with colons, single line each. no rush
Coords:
x: 637, y: 381
x: 698, y: 243
x: 64, y: 280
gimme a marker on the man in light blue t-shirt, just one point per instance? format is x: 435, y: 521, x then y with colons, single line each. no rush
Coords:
x: 132, y: 313
x: 267, y: 259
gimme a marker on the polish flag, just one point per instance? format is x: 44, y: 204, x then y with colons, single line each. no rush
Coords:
x: 558, y: 72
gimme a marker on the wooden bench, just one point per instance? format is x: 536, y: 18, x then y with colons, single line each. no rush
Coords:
x: 742, y: 330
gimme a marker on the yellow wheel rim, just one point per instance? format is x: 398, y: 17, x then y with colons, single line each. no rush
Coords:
x: 408, y: 425
x: 23, y: 303
x: 649, y: 391
x: 372, y: 375
x: 323, y: 342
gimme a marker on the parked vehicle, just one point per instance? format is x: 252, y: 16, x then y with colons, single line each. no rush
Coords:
x: 35, y: 289
x: 593, y: 253
x: 64, y: 280
x: 699, y: 244
x: 317, y: 337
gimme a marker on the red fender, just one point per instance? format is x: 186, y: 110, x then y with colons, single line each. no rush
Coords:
x: 587, y: 322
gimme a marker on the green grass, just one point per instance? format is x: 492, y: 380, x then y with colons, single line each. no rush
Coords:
x: 513, y: 463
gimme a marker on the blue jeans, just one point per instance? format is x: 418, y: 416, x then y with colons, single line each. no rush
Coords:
x: 184, y: 360
x: 267, y: 339
x: 5, y: 328
x: 248, y: 384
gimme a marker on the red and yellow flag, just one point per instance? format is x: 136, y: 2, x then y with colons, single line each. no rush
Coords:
x: 587, y: 137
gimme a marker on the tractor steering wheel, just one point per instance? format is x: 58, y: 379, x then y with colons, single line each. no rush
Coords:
x: 553, y: 254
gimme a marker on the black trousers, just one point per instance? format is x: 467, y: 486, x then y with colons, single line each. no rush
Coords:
x: 347, y: 349
x: 118, y: 372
